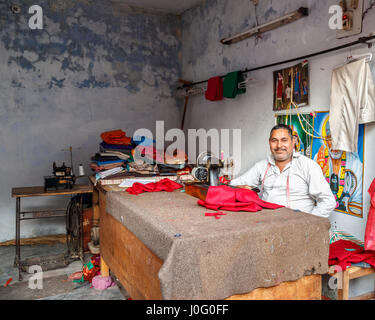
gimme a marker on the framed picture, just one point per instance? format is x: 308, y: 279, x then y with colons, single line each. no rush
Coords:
x: 343, y: 170
x: 292, y: 82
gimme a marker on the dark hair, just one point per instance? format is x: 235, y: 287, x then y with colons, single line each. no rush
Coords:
x: 284, y: 127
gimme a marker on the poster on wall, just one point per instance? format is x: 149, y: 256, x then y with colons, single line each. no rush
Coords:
x: 291, y: 82
x: 303, y: 140
x: 342, y: 170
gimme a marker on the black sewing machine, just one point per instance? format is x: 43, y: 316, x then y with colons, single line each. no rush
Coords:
x: 208, y: 169
x: 62, y: 178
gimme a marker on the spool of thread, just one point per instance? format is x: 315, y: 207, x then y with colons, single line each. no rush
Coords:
x: 81, y: 170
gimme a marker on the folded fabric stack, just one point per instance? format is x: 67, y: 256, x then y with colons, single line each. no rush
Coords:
x: 114, y: 153
x: 345, y: 253
x: 102, y: 162
x: 116, y: 141
x: 135, y: 155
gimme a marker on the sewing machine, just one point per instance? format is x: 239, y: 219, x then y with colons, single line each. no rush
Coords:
x: 208, y: 169
x: 62, y: 178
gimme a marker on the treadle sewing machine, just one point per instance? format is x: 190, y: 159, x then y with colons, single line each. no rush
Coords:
x: 62, y: 178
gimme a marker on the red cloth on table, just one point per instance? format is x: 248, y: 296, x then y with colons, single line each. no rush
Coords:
x: 115, y: 137
x: 215, y: 89
x: 370, y: 226
x: 344, y: 252
x: 234, y: 199
x: 215, y: 214
x: 162, y: 185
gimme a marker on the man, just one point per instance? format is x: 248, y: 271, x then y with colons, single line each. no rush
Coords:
x: 288, y: 178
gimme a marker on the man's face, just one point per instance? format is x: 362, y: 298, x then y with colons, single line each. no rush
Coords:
x: 281, y: 145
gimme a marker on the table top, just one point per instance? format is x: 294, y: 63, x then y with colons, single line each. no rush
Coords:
x: 221, y: 257
x: 38, y: 191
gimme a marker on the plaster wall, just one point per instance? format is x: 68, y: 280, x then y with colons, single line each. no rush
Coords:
x: 95, y: 66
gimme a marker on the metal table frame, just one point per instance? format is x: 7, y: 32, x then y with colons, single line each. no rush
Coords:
x: 39, y: 191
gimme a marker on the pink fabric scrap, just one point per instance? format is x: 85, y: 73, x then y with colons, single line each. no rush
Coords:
x: 102, y: 283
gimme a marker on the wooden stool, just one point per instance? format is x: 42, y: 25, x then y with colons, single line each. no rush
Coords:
x: 349, y: 274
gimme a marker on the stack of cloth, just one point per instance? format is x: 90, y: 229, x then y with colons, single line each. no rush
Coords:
x: 116, y: 141
x: 114, y: 153
x: 346, y: 253
x: 103, y: 161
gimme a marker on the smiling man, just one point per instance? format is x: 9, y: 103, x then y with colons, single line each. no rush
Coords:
x: 289, y: 178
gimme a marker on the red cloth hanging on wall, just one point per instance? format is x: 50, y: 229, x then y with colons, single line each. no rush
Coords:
x: 215, y: 91
x: 370, y: 226
x: 234, y: 199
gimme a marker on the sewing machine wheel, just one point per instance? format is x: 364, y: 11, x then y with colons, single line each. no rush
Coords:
x: 200, y: 173
x: 73, y: 229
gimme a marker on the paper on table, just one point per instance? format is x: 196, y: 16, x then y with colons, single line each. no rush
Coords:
x: 129, y: 182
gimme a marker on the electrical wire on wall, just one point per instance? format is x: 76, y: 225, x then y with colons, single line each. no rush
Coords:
x: 372, y: 4
x: 288, y: 116
x: 258, y: 36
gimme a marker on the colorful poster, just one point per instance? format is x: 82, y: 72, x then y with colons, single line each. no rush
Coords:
x: 290, y: 83
x: 343, y: 170
x: 299, y: 131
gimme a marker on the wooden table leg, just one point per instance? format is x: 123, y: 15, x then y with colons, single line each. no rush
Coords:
x: 81, y: 253
x: 343, y: 293
x: 104, y: 269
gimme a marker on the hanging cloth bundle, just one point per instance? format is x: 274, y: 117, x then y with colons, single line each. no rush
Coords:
x: 352, y: 103
x: 214, y: 90
x: 231, y: 82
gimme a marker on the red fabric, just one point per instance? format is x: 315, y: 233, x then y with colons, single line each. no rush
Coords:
x: 215, y: 214
x: 344, y: 252
x: 162, y: 185
x: 116, y: 137
x: 234, y: 199
x: 215, y: 89
x: 370, y: 226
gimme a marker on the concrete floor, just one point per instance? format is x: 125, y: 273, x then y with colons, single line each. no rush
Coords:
x: 56, y: 285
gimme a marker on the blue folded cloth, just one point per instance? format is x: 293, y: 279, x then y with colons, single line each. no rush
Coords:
x: 101, y: 163
x: 115, y: 146
x: 142, y: 140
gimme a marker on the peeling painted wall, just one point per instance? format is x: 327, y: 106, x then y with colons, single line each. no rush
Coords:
x: 95, y: 66
x: 204, y: 57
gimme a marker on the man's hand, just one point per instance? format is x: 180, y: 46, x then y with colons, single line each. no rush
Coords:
x: 245, y: 187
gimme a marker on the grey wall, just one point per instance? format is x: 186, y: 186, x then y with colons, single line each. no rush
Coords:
x: 95, y: 66
x: 204, y: 57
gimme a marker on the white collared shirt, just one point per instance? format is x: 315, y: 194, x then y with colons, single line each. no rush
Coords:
x: 308, y: 189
